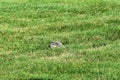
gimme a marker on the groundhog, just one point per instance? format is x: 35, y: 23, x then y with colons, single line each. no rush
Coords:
x: 55, y: 44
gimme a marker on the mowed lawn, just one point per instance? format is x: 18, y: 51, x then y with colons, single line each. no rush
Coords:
x: 89, y: 30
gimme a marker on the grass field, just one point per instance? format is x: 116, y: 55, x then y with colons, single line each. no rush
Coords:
x: 89, y: 30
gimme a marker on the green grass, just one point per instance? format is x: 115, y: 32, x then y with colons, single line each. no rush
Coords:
x: 89, y: 30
